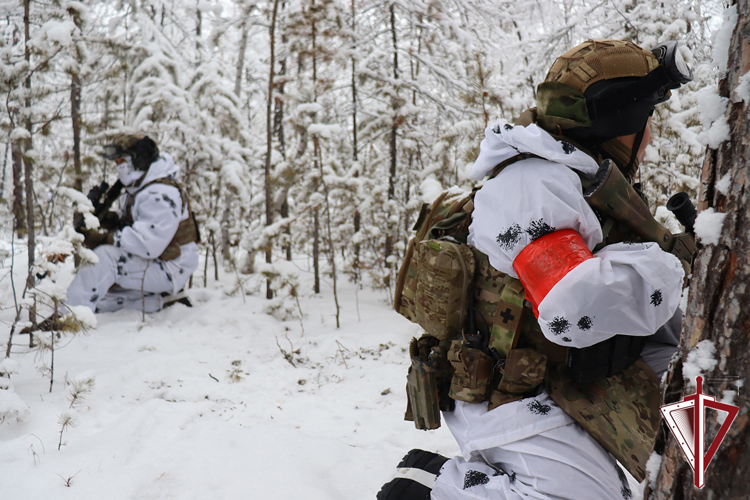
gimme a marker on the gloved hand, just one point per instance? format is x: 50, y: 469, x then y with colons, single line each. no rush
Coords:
x: 110, y: 221
x: 93, y: 238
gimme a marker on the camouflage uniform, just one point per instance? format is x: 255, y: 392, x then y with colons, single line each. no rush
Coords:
x: 141, y: 261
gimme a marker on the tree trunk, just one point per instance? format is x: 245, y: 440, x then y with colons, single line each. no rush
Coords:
x: 241, y: 60
x: 269, y: 138
x: 329, y: 232
x: 75, y: 115
x: 392, y: 143
x: 718, y: 303
x: 198, y: 31
x: 278, y: 125
x: 357, y: 215
x: 28, y: 166
x: 5, y: 165
x: 19, y: 212
x: 316, y: 159
x: 226, y: 251
x: 248, y: 266
x: 284, y: 212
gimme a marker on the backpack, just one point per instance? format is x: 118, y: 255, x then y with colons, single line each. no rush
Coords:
x: 472, y: 313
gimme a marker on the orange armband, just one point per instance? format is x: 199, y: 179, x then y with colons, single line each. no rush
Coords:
x: 544, y: 262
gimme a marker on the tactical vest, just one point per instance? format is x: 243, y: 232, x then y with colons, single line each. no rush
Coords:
x: 483, y: 343
x: 187, y: 230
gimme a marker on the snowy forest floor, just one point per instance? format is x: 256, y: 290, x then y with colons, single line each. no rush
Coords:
x: 201, y: 403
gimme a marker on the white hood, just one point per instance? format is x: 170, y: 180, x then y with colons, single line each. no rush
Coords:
x: 504, y: 140
x: 163, y: 167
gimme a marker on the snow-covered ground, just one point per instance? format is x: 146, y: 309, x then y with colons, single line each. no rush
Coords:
x: 217, y: 401
x: 201, y: 403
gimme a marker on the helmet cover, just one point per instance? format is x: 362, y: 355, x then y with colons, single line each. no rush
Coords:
x: 594, y: 88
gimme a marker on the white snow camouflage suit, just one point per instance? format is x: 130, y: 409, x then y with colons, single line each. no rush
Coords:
x: 132, y: 262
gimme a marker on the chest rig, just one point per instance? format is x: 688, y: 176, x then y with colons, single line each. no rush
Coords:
x: 187, y: 230
x: 484, y: 345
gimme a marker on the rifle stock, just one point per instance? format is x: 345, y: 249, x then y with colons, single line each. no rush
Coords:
x: 613, y: 196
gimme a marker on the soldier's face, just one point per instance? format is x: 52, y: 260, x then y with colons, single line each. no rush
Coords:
x: 629, y: 141
x: 645, y: 142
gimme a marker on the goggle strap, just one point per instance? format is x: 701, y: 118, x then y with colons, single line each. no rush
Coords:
x: 636, y: 146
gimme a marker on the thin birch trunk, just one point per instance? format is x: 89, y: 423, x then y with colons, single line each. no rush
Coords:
x: 19, y: 211
x: 357, y: 215
x: 27, y: 162
x: 241, y: 60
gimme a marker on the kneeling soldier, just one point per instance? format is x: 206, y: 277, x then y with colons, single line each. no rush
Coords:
x: 147, y: 248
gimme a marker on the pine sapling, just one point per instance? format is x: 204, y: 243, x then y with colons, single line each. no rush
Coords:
x: 65, y: 420
x: 235, y: 375
x: 79, y: 389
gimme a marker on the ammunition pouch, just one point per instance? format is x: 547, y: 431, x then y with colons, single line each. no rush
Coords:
x: 187, y: 232
x: 445, y: 275
x: 427, y: 383
x: 522, y: 372
x: 472, y: 373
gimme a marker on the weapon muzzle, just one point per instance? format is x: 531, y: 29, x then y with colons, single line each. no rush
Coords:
x: 682, y: 208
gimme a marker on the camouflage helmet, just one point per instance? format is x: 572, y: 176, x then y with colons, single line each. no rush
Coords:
x: 603, y: 89
x: 141, y: 148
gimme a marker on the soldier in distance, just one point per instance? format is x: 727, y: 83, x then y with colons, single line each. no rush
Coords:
x: 147, y: 247
x: 595, y: 104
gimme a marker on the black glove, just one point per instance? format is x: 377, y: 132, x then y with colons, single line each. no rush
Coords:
x: 110, y: 221
x: 93, y: 238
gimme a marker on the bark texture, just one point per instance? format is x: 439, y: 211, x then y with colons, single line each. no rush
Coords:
x: 719, y: 302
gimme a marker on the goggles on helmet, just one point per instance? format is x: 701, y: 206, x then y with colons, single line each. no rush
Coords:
x: 621, y: 106
x: 112, y: 151
x: 674, y: 66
